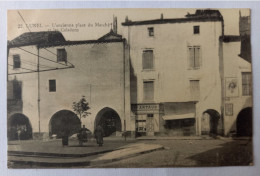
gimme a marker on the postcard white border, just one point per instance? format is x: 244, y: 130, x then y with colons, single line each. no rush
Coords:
x: 213, y: 171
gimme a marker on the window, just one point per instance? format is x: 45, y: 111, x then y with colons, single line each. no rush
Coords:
x: 148, y: 90
x: 17, y: 90
x: 195, y: 89
x: 52, y: 85
x: 149, y: 115
x: 246, y: 83
x: 17, y: 61
x: 141, y: 125
x: 194, y: 57
x: 196, y: 29
x: 148, y: 59
x: 150, y: 31
x: 61, y: 55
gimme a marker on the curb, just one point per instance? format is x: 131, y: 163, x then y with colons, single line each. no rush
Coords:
x: 79, y: 163
x: 51, y: 155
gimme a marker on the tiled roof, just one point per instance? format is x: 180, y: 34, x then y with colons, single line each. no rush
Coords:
x: 37, y: 38
x: 199, y: 16
x: 55, y: 38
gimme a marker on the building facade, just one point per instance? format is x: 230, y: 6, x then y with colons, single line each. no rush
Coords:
x: 99, y: 73
x: 178, y: 72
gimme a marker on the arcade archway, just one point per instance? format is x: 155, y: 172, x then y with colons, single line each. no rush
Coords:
x: 210, y: 122
x: 19, y: 126
x: 244, y: 122
x: 64, y: 122
x: 109, y: 120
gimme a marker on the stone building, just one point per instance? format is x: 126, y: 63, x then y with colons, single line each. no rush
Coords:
x: 100, y: 72
x: 179, y: 71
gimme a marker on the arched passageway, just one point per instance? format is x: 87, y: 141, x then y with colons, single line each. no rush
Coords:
x: 64, y: 122
x: 210, y: 122
x: 244, y: 122
x: 19, y: 126
x: 109, y: 120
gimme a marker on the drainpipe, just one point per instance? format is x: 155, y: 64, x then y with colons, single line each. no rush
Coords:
x: 124, y: 88
x: 222, y: 77
x: 38, y: 74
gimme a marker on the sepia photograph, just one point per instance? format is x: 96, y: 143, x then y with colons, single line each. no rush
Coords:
x: 129, y: 88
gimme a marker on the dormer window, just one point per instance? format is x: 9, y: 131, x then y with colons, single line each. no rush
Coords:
x: 150, y: 31
x: 61, y: 55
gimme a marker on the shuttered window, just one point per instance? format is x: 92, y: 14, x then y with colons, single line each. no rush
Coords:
x: 17, y: 90
x: 17, y: 61
x: 195, y: 89
x: 194, y: 57
x: 246, y: 83
x: 148, y: 90
x: 61, y: 55
x: 148, y: 59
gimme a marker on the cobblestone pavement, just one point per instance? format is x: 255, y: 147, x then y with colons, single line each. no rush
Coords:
x: 185, y: 153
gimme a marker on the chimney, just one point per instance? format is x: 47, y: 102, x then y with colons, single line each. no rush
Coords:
x: 161, y: 16
x: 115, y: 24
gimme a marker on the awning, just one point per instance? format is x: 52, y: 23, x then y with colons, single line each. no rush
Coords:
x: 178, y: 116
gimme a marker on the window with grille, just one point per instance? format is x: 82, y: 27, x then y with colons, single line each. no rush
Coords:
x: 196, y: 29
x: 195, y: 89
x: 148, y: 60
x: 52, y: 85
x: 17, y: 61
x: 149, y: 115
x: 150, y: 31
x: 246, y: 83
x: 148, y: 90
x: 194, y: 57
x: 61, y: 55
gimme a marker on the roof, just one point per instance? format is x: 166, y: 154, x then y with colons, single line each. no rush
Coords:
x: 110, y: 35
x: 199, y: 16
x: 37, y: 38
x: 55, y: 38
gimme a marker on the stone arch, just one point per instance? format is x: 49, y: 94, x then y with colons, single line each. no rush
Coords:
x: 64, y: 122
x: 244, y: 122
x: 211, y: 119
x: 109, y: 119
x: 19, y: 122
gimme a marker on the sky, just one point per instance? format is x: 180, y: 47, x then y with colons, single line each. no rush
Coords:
x: 91, y: 24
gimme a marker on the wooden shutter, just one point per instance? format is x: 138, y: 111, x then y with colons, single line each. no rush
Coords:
x: 195, y: 89
x: 10, y: 94
x: 148, y: 59
x: 246, y: 83
x: 17, y: 90
x: 61, y: 55
x: 191, y: 57
x: 148, y: 90
x: 197, y: 57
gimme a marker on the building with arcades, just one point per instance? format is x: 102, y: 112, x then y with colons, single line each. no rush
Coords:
x: 46, y: 74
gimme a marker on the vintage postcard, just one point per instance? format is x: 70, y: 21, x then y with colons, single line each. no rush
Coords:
x: 117, y: 88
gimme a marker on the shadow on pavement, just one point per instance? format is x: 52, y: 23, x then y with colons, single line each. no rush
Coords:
x: 234, y: 153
